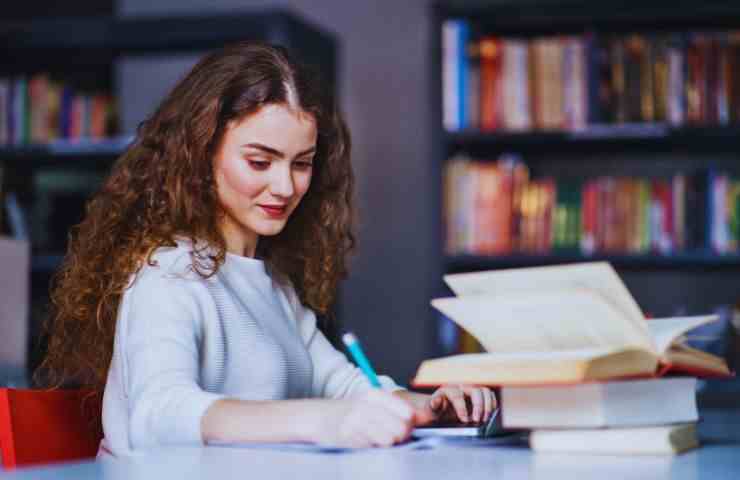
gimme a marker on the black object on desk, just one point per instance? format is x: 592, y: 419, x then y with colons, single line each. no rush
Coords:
x: 492, y: 428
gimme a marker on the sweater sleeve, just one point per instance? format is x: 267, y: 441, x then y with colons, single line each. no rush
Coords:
x: 160, y: 358
x: 334, y: 376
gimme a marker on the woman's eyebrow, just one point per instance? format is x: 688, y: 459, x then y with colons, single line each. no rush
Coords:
x: 275, y: 152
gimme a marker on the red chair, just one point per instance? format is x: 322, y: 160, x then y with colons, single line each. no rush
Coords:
x: 46, y: 426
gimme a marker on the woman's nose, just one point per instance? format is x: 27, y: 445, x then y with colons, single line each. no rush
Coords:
x: 281, y: 183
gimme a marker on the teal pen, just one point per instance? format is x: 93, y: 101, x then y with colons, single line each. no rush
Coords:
x: 360, y: 359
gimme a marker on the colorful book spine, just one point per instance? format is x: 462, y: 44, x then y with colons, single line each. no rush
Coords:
x: 39, y: 110
x: 494, y: 208
x: 569, y: 83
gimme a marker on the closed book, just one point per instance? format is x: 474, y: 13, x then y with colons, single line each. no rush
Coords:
x: 491, y: 83
x: 575, y: 84
x: 454, y: 74
x: 489, y: 183
x: 661, y: 440
x: 634, y: 54
x: 696, y: 80
x: 677, y: 86
x: 516, y: 109
x: 628, y: 403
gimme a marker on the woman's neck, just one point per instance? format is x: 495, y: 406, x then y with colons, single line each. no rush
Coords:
x: 239, y: 242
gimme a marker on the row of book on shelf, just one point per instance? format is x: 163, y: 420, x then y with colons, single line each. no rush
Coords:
x: 495, y: 208
x: 579, y: 366
x: 568, y: 82
x: 39, y: 110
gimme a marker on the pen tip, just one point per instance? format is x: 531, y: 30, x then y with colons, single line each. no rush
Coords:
x: 348, y: 339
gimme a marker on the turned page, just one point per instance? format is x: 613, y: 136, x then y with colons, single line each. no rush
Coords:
x: 554, y: 320
x: 599, y: 277
x: 665, y: 331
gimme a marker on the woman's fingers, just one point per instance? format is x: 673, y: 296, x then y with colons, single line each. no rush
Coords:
x: 475, y: 395
x: 456, y: 397
x: 481, y: 399
x: 489, y: 403
x: 392, y: 429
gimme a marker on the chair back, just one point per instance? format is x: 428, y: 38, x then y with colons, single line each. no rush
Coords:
x: 47, y: 426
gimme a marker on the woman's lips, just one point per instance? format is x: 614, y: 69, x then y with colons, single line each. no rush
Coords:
x: 274, y: 211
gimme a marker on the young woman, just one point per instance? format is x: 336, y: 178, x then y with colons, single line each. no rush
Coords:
x: 189, y: 292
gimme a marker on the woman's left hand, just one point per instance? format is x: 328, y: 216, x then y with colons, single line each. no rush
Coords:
x: 463, y: 403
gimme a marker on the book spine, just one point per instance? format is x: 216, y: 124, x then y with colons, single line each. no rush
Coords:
x: 661, y: 77
x: 618, y: 80
x: 588, y: 218
x: 20, y: 111
x: 450, y: 88
x: 473, y: 100
x: 463, y: 33
x: 634, y: 89
x: 723, y: 80
x: 677, y: 83
x: 516, y: 86
x: 733, y: 85
x: 491, y: 83
x: 696, y: 80
x: 679, y: 212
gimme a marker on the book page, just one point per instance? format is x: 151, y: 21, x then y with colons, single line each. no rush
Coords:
x: 597, y: 276
x: 553, y: 320
x: 665, y: 331
x: 520, y: 358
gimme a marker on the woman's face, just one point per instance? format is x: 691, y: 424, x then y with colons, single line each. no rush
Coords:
x: 262, y: 170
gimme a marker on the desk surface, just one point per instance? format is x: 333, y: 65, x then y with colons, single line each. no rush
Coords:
x: 718, y: 459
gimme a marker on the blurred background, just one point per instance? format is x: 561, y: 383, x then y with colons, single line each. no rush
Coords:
x: 486, y: 135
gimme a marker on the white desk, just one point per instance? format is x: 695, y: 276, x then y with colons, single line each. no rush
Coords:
x: 718, y: 459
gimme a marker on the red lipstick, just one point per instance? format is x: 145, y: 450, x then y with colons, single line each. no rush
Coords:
x: 275, y: 211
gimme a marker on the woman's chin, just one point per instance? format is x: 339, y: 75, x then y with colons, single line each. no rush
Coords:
x: 270, y: 230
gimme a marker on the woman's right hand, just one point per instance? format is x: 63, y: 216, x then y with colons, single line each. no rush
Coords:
x: 373, y: 419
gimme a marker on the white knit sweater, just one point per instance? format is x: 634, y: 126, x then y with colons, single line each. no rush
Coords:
x: 182, y: 342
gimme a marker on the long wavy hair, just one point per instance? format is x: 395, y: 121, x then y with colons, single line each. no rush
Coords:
x: 162, y: 188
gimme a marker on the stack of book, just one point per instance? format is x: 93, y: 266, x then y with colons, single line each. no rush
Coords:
x: 655, y: 416
x: 576, y: 360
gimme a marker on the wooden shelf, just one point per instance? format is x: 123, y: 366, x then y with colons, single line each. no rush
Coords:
x: 659, y: 136
x: 537, y: 17
x: 103, y: 38
x: 688, y: 260
x: 107, y: 146
x: 66, y: 153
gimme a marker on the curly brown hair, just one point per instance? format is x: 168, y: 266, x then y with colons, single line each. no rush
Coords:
x: 163, y: 188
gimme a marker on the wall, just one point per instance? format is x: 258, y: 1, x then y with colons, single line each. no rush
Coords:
x: 383, y: 66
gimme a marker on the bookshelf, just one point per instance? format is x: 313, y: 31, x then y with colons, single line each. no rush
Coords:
x: 601, y: 137
x: 53, y: 180
x: 692, y: 279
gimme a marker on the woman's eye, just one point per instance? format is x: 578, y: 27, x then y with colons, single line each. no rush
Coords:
x: 303, y: 165
x: 259, y: 164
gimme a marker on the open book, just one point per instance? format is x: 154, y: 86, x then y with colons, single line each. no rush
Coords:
x: 560, y: 324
